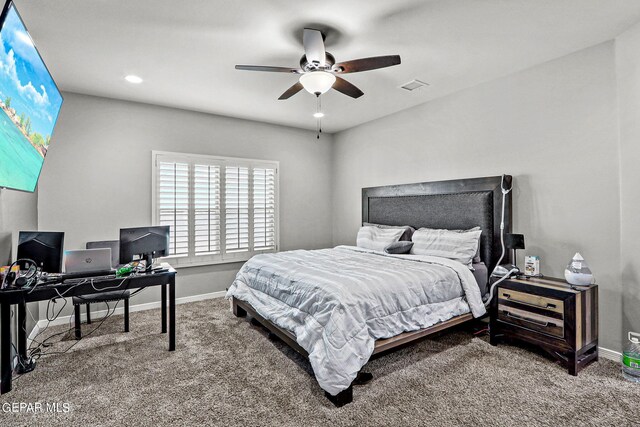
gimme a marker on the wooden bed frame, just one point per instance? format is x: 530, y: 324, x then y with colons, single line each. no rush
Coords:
x: 442, y: 204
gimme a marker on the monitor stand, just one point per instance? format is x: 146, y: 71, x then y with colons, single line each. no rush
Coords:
x: 148, y: 259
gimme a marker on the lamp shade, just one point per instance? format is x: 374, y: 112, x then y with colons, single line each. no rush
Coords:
x: 514, y: 241
x: 317, y: 82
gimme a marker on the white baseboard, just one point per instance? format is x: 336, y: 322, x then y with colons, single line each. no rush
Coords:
x: 64, y: 320
x: 609, y: 354
x: 602, y: 352
x: 34, y: 333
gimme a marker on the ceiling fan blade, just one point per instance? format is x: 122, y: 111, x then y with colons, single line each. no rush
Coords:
x: 269, y: 68
x: 292, y: 91
x: 366, y: 64
x: 343, y: 86
x: 314, y: 47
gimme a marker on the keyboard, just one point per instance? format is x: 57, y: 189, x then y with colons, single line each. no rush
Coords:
x: 87, y: 274
x: 77, y: 280
x: 74, y: 278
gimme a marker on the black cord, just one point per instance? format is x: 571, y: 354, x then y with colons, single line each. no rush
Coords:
x: 37, y: 352
x: 44, y: 343
x: 109, y: 314
x: 50, y: 319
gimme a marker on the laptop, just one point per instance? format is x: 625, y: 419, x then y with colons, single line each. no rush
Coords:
x: 87, y: 261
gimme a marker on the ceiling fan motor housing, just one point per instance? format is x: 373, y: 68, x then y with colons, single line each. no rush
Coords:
x: 313, y: 66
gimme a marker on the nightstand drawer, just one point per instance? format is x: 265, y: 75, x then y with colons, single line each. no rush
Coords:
x: 535, y: 322
x: 530, y: 300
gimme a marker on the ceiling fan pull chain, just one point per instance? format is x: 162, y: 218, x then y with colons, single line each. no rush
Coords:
x: 318, y: 110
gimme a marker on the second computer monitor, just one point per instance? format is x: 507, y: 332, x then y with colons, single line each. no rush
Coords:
x: 45, y: 248
x: 146, y: 242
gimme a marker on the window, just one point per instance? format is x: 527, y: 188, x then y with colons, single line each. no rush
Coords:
x: 219, y: 209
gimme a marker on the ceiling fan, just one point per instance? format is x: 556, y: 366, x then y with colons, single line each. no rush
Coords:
x: 319, y: 71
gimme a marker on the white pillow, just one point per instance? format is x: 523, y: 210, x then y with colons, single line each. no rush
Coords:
x: 457, y: 245
x: 376, y: 238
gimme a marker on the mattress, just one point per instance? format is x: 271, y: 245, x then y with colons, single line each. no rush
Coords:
x: 481, y: 274
x: 338, y: 302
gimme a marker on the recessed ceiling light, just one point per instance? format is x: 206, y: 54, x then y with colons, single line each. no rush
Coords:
x: 133, y: 79
x: 318, y: 115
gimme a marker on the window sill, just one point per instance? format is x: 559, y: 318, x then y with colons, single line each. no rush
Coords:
x: 178, y: 263
x: 179, y: 266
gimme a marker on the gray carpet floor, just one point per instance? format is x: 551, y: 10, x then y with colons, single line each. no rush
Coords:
x: 227, y: 372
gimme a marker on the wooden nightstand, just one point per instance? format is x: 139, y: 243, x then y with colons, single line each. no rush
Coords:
x: 549, y: 313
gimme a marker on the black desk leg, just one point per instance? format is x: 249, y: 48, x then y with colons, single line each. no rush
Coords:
x: 163, y: 304
x: 172, y: 313
x: 22, y: 330
x: 5, y: 348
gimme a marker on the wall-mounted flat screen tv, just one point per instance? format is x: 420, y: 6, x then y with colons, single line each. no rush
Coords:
x: 29, y: 105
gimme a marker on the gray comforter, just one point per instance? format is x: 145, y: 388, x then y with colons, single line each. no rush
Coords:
x: 339, y: 301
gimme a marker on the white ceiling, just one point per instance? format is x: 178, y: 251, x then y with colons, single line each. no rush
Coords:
x: 186, y: 50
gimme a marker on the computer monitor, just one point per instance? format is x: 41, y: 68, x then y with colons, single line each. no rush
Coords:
x: 45, y: 248
x: 146, y: 242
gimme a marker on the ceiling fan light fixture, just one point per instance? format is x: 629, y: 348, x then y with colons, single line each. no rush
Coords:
x: 317, y: 82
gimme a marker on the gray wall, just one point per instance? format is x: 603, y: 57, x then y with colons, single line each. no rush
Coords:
x: 18, y: 211
x: 559, y: 128
x: 628, y: 69
x: 553, y: 126
x: 97, y: 177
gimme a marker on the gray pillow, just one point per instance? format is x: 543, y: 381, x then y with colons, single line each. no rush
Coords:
x: 376, y: 238
x: 476, y: 257
x: 406, y: 236
x: 457, y: 245
x: 401, y: 247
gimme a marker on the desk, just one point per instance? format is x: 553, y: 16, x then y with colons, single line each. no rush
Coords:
x: 43, y: 292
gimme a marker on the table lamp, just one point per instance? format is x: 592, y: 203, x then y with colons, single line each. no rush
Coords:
x: 514, y: 242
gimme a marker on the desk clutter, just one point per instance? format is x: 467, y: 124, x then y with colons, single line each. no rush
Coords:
x: 40, y: 256
x: 103, y: 272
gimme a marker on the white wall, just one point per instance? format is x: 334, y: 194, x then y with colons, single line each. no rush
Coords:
x: 97, y: 176
x: 553, y: 127
x: 628, y: 74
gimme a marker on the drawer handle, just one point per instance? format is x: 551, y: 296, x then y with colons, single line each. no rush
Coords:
x: 524, y: 319
x: 549, y: 305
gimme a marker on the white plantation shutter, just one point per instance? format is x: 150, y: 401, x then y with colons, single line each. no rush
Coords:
x: 236, y: 209
x: 264, y: 208
x: 206, y: 204
x: 173, y: 204
x: 219, y: 209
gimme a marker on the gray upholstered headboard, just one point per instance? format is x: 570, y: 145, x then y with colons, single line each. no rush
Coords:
x: 455, y: 205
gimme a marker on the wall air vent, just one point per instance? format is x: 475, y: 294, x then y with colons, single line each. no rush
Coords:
x: 413, y: 85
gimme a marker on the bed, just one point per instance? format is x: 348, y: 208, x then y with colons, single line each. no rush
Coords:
x: 339, y: 307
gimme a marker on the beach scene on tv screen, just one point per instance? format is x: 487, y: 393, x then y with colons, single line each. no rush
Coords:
x: 29, y: 104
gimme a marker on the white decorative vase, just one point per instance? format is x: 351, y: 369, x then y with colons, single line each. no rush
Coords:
x: 577, y: 272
